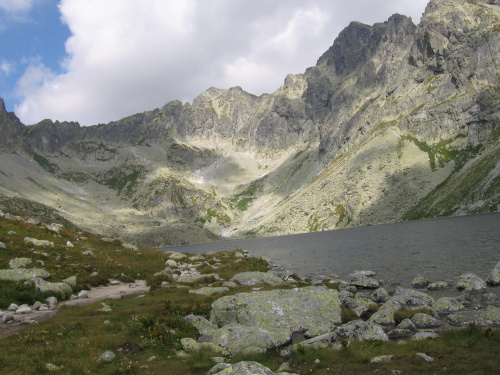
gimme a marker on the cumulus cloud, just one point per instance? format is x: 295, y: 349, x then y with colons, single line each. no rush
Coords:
x: 6, y: 68
x: 126, y: 56
x: 16, y: 6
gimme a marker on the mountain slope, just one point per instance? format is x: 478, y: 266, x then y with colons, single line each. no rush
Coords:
x: 395, y: 122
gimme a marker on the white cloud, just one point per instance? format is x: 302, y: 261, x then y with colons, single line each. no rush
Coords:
x: 125, y: 57
x: 6, y: 68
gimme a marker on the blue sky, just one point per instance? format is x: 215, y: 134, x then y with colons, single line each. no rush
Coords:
x: 96, y: 61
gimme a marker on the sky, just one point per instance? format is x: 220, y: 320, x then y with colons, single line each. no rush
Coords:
x: 96, y: 61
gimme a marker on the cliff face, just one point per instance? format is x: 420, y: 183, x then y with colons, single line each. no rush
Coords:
x: 395, y: 122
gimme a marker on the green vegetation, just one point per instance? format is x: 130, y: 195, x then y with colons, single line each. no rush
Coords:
x: 244, y: 199
x: 45, y: 163
x: 124, y: 180
x: 439, y: 155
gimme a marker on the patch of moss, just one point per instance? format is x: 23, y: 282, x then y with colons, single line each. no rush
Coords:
x: 45, y: 163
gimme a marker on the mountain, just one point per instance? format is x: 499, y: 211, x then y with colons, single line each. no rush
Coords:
x: 395, y: 122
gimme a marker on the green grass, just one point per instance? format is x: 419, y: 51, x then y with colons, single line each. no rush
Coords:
x: 45, y: 163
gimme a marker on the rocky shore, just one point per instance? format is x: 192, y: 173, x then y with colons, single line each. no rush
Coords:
x: 278, y: 311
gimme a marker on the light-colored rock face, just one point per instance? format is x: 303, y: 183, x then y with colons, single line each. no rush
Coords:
x: 395, y: 122
x: 312, y: 310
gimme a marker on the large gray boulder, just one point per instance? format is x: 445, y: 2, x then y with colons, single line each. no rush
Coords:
x: 494, y: 276
x: 246, y: 368
x: 312, y: 310
x: 411, y: 298
x: 360, y: 280
x: 63, y: 289
x: 489, y: 317
x: 35, y: 242
x: 255, y: 278
x: 357, y: 330
x: 22, y: 274
x: 471, y: 282
x: 19, y: 262
x: 240, y: 339
x: 447, y: 305
x: 385, y: 314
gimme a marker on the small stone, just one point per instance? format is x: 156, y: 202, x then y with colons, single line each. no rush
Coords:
x: 105, y: 307
x: 69, y: 244
x: 316, y: 361
x: 94, y: 274
x: 114, y: 296
x: 424, y: 335
x: 51, y: 301
x: 2, y: 245
x: 82, y: 294
x: 425, y: 357
x: 51, y: 367
x: 381, y: 358
x: 12, y: 307
x: 106, y: 322
x: 130, y: 246
x: 107, y: 356
x: 71, y: 281
x: 89, y: 253
x: 37, y: 305
x: 151, y: 359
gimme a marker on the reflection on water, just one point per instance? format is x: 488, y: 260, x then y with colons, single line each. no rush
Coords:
x: 440, y: 249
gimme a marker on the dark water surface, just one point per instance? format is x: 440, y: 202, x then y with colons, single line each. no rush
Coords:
x: 440, y: 249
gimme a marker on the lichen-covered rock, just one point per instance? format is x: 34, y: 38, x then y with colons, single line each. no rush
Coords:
x: 358, y: 304
x: 471, y: 283
x: 407, y: 324
x: 2, y: 245
x: 36, y: 242
x: 422, y: 320
x: 382, y: 358
x: 19, y: 262
x: 437, y: 285
x: 176, y: 256
x: 107, y: 356
x: 494, y: 276
x: 399, y: 333
x: 313, y: 310
x: 210, y: 290
x: 71, y: 281
x: 130, y: 246
x: 239, y: 339
x: 385, y: 314
x: 360, y: 280
x: 62, y: 289
x: 246, y: 368
x: 203, y: 326
x: 255, y: 278
x: 424, y: 335
x: 167, y: 272
x: 419, y: 281
x: 447, y: 305
x: 412, y: 298
x: 193, y: 278
x: 89, y: 253
x: 489, y: 317
x: 380, y: 295
x: 22, y: 274
x: 357, y: 330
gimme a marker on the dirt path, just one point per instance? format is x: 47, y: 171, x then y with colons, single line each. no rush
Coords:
x: 124, y: 290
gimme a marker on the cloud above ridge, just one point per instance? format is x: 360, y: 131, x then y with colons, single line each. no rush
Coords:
x: 126, y: 56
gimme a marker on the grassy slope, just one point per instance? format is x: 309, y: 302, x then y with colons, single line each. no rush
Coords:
x: 142, y: 327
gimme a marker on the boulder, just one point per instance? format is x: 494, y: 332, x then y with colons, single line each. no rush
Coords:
x: 193, y: 278
x: 471, y: 283
x: 494, y: 276
x: 420, y: 281
x: 36, y: 242
x: 385, y: 314
x: 382, y: 358
x: 12, y: 307
x: 130, y: 246
x: 240, y: 339
x: 412, y: 298
x: 407, y: 324
x: 488, y: 317
x: 176, y: 256
x: 7, y: 317
x: 51, y: 301
x: 210, y: 291
x: 62, y: 289
x: 422, y: 320
x: 358, y: 304
x: 167, y: 272
x: 24, y: 309
x: 380, y: 295
x: 19, y: 262
x: 255, y: 278
x: 447, y: 305
x: 71, y: 281
x: 438, y: 285
x: 360, y: 280
x: 246, y: 368
x: 21, y: 274
x: 356, y: 330
x: 56, y: 228
x: 203, y: 326
x: 424, y: 335
x: 312, y: 310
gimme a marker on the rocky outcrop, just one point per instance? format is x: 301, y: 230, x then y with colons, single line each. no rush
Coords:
x: 396, y: 121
